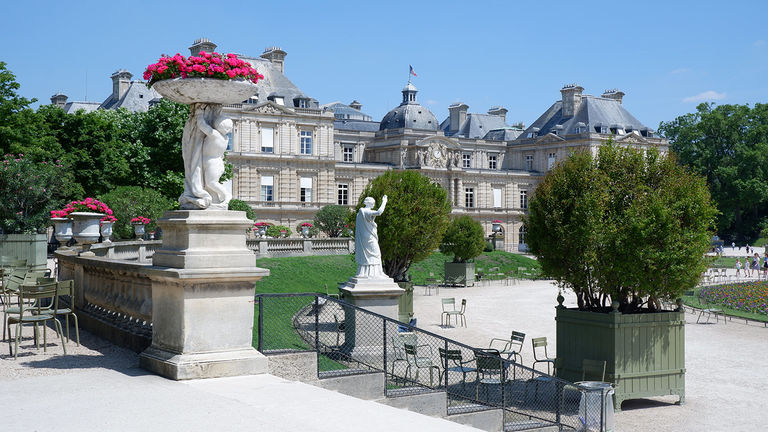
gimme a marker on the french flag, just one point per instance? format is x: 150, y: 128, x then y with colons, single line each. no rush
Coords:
x: 412, y: 72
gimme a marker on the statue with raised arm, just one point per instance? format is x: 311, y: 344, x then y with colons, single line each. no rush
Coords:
x: 367, y: 252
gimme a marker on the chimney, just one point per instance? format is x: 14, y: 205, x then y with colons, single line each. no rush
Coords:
x: 59, y: 99
x: 121, y: 80
x: 571, y: 99
x: 499, y: 111
x: 202, y: 44
x: 614, y: 94
x: 457, y: 115
x: 356, y: 105
x: 276, y: 56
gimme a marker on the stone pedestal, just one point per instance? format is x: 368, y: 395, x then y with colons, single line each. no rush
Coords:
x: 363, y: 331
x: 202, y: 298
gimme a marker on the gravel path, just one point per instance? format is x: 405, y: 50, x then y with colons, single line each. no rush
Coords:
x: 726, y: 363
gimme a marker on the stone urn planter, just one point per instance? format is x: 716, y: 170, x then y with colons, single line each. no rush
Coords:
x: 85, y: 227
x: 106, y: 231
x: 62, y: 229
x: 496, y: 226
x: 644, y: 353
x: 139, y: 229
x: 305, y: 232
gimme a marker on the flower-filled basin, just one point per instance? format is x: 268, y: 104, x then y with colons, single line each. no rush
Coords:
x: 205, y: 90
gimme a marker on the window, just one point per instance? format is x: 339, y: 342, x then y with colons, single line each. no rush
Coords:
x: 469, y: 197
x: 492, y: 162
x: 523, y: 199
x: 529, y: 162
x: 466, y: 160
x: 551, y: 160
x: 229, y: 141
x: 496, y: 197
x: 305, y: 192
x: 601, y: 129
x: 521, y: 235
x: 348, y: 154
x: 303, y: 103
x: 306, y: 142
x: 279, y: 100
x: 267, y: 191
x: 267, y: 140
x: 343, y: 194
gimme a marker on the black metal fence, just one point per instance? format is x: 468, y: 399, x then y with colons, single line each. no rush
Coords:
x: 349, y: 340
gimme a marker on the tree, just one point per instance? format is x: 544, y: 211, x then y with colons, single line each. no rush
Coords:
x: 332, y: 219
x: 13, y: 109
x: 464, y: 239
x: 625, y: 226
x: 29, y: 191
x: 413, y: 222
x: 236, y: 204
x: 728, y: 145
x: 128, y: 202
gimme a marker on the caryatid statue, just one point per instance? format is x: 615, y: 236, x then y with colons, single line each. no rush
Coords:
x: 367, y: 252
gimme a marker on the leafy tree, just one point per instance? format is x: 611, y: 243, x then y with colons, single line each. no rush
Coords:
x: 413, y: 222
x: 728, y: 145
x: 128, y: 202
x: 622, y: 226
x: 236, y: 204
x: 13, y: 110
x: 332, y: 219
x: 29, y: 191
x: 464, y: 239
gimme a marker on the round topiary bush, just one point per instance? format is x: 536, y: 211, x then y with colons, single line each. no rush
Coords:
x: 463, y: 239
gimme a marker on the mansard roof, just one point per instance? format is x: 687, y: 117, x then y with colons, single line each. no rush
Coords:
x: 475, y: 126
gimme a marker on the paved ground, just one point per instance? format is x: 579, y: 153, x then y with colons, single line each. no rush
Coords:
x: 727, y: 372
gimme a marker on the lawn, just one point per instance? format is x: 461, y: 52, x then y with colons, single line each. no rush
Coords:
x: 743, y: 299
x: 313, y: 273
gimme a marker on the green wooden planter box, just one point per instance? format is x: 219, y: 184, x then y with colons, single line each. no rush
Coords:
x: 31, y: 247
x: 460, y: 273
x: 644, y: 353
x: 405, y: 303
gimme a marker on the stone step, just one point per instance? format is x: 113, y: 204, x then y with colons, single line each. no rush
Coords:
x: 431, y: 403
x: 364, y: 385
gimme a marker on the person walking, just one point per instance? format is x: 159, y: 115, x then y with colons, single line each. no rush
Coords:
x: 733, y: 245
x: 747, y: 273
x: 765, y: 266
x: 756, y: 265
x: 738, y: 268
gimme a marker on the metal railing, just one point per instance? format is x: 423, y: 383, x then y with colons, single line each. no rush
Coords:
x: 349, y: 340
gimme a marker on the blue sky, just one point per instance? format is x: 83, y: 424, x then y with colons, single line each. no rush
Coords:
x: 666, y: 56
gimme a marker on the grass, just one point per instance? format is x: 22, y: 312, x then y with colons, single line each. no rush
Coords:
x: 694, y: 299
x: 313, y: 273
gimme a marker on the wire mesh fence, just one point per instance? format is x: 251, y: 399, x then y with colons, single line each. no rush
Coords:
x: 349, y: 340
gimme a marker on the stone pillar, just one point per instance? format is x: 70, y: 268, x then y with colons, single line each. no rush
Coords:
x: 202, y: 298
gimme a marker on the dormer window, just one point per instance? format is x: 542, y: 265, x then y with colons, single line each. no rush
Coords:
x: 601, y: 129
x: 277, y: 99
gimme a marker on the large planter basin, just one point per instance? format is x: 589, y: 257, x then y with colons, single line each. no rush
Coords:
x: 205, y: 90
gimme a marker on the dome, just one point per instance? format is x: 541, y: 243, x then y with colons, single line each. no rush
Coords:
x: 410, y: 114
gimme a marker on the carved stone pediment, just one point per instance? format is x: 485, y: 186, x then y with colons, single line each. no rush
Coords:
x: 437, y: 152
x: 550, y: 138
x: 270, y: 107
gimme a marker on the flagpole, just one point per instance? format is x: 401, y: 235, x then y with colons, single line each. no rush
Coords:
x: 409, y: 74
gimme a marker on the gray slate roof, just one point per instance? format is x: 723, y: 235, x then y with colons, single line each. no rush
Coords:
x: 75, y: 106
x: 135, y: 99
x: 410, y: 114
x: 356, y: 125
x: 475, y: 126
x: 276, y: 83
x: 593, y: 112
x: 344, y: 112
x: 503, y: 134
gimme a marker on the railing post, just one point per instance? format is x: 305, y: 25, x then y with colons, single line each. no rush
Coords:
x: 445, y: 367
x: 384, y: 366
x: 602, y: 409
x: 261, y: 324
x: 317, y: 332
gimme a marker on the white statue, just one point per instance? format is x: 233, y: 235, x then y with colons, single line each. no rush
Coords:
x: 367, y: 252
x: 203, y: 147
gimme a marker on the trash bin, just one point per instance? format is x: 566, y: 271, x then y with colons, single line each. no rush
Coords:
x: 591, y: 413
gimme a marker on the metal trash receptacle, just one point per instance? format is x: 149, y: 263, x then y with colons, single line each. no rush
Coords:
x: 596, y: 406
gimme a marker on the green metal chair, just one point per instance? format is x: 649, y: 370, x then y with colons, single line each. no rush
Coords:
x: 67, y: 288
x: 419, y: 361
x: 457, y: 313
x: 490, y: 370
x: 541, y: 343
x: 398, y: 349
x: 449, y: 305
x: 511, y: 347
x: 455, y: 363
x: 36, y: 293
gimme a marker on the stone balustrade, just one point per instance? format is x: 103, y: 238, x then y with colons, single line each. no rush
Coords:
x: 280, y: 247
x: 136, y: 250
x: 113, y: 297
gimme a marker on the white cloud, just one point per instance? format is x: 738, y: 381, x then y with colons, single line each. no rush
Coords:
x: 432, y: 102
x: 708, y: 95
x: 759, y: 43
